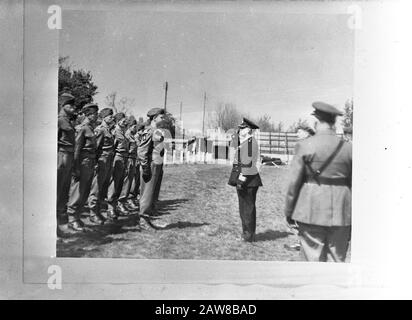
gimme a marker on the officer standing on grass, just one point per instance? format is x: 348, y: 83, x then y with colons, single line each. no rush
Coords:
x: 105, y: 154
x: 84, y: 166
x: 130, y: 169
x: 249, y: 179
x: 65, y: 155
x: 319, y: 192
x: 121, y: 155
x: 150, y: 153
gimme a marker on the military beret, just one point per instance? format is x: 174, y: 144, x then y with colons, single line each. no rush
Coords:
x: 106, y: 112
x: 119, y: 116
x: 347, y: 129
x: 66, y: 98
x: 246, y: 123
x: 321, y: 107
x: 155, y: 111
x: 89, y: 108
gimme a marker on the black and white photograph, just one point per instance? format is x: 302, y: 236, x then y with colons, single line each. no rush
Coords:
x: 200, y: 147
x: 178, y: 135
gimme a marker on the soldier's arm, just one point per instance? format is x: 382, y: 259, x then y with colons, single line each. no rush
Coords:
x: 145, y: 149
x: 78, y: 146
x: 99, y: 132
x: 246, y: 155
x: 296, y: 179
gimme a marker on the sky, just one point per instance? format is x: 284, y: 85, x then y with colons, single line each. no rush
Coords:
x: 263, y: 62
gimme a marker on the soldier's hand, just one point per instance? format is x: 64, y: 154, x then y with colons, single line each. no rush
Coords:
x: 76, y: 174
x: 291, y: 223
x: 147, y: 175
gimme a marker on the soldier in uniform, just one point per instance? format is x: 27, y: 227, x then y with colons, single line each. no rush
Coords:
x: 65, y: 154
x: 105, y: 154
x: 130, y: 169
x: 135, y: 188
x: 319, y: 192
x: 150, y: 153
x: 249, y: 179
x: 84, y: 165
x: 121, y: 154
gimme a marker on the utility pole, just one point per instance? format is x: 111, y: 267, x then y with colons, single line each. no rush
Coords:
x: 166, y: 87
x: 204, y: 109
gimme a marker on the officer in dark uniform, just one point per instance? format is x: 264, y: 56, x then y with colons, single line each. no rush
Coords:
x: 249, y: 179
x: 105, y: 154
x: 84, y: 165
x: 135, y: 189
x: 150, y: 153
x: 65, y: 154
x: 130, y: 169
x: 121, y: 154
x: 319, y: 192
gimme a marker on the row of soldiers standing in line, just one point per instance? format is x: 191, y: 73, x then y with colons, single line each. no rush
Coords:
x: 111, y: 163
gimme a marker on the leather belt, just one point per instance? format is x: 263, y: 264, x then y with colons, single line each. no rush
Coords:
x: 330, y: 181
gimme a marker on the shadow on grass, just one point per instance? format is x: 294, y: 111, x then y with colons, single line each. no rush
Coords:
x: 77, y: 244
x: 184, y: 224
x: 270, y: 235
x: 165, y: 206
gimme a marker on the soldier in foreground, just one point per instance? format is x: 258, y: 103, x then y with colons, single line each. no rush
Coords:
x: 150, y: 153
x: 319, y: 192
x: 65, y: 155
x: 105, y: 154
x: 84, y: 165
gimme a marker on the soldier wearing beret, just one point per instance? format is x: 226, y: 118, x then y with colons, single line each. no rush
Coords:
x: 105, y: 154
x: 135, y: 188
x: 150, y: 153
x: 130, y: 169
x: 319, y: 192
x: 121, y: 155
x: 65, y: 155
x: 84, y: 164
x: 248, y: 183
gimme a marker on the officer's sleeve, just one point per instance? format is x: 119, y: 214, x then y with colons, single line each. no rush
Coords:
x: 144, y: 152
x: 296, y: 178
x: 78, y: 146
x: 99, y: 132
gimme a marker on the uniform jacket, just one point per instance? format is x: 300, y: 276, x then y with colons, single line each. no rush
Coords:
x: 132, y: 145
x: 104, y: 140
x: 86, y: 144
x: 248, y: 160
x: 145, y: 149
x: 158, y: 146
x: 121, y: 143
x: 66, y: 133
x: 324, y: 205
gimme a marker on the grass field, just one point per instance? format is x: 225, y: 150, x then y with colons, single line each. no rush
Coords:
x: 201, y: 218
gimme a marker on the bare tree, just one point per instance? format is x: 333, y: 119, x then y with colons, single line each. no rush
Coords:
x: 300, y: 123
x: 225, y: 116
x: 123, y: 104
x: 265, y: 124
x: 348, y: 114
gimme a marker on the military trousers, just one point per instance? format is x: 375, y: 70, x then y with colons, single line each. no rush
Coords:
x: 247, y: 210
x: 321, y: 244
x: 64, y: 175
x: 100, y: 184
x: 149, y: 192
x: 116, y: 186
x: 128, y: 179
x: 135, y: 188
x: 80, y: 188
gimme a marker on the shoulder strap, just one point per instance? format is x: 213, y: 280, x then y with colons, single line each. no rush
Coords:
x: 329, y: 160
